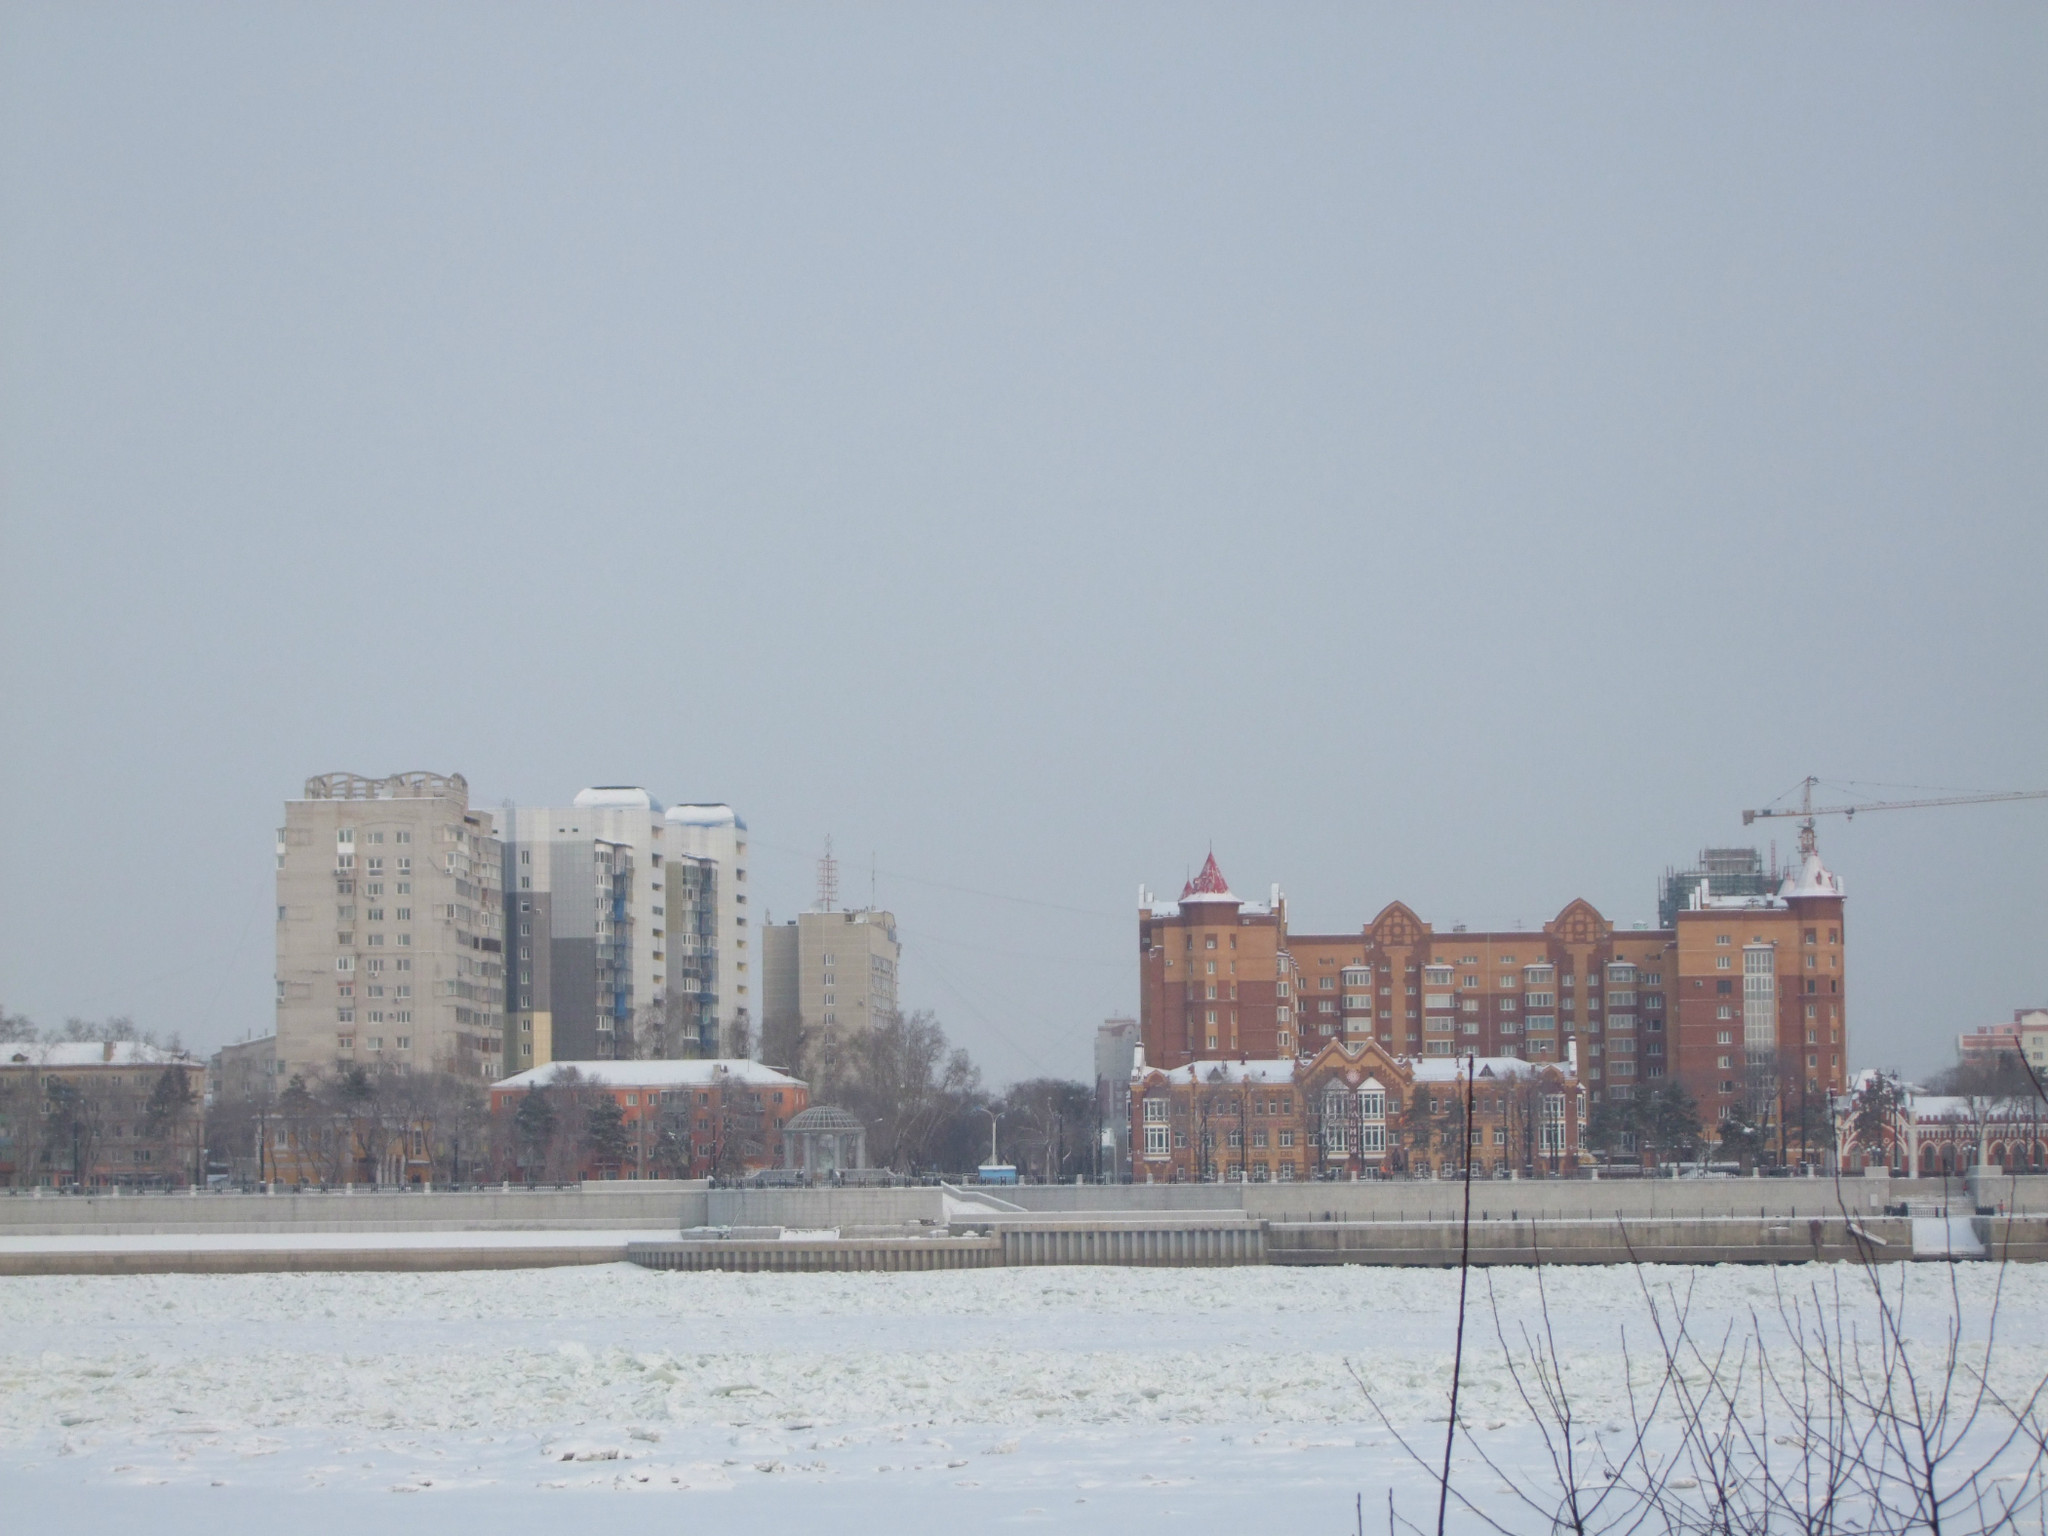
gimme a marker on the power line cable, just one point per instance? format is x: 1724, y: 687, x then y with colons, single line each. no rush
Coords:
x: 963, y: 890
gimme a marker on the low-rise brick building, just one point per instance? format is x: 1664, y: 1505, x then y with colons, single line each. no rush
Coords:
x: 100, y: 1114
x: 1352, y: 1110
x: 679, y: 1119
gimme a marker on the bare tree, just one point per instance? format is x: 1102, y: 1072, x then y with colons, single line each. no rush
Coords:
x: 1814, y: 1415
x: 77, y: 1123
x: 1049, y: 1119
x: 117, y: 1028
x: 905, y: 1083
x: 169, y: 1120
x: 663, y: 1031
x: 356, y: 1100
x: 736, y: 1111
x: 28, y: 1127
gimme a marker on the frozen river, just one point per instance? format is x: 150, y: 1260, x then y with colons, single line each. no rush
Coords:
x: 1090, y: 1399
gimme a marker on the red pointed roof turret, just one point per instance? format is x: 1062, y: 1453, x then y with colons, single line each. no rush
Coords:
x: 1209, y: 882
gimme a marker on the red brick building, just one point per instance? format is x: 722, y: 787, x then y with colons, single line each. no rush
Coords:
x: 1350, y: 1111
x: 1760, y: 1015
x: 1743, y: 999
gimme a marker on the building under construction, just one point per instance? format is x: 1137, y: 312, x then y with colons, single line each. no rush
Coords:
x: 1723, y: 872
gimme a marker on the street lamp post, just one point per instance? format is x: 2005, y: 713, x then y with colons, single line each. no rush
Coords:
x: 993, y: 1117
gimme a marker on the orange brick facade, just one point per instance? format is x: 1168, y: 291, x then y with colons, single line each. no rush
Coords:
x: 1350, y: 1111
x: 1762, y: 999
x: 1620, y: 1010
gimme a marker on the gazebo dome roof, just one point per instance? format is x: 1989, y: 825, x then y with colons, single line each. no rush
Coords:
x: 822, y: 1117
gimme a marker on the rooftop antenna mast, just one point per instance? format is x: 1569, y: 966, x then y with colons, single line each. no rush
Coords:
x: 828, y: 879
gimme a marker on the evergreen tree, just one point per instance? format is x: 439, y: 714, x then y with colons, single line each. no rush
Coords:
x: 604, y: 1132
x: 533, y: 1127
x: 169, y: 1102
x: 170, y: 1106
x: 1670, y: 1121
x: 1741, y: 1139
x: 1611, y: 1122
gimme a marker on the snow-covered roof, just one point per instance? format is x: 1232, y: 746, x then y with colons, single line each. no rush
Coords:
x: 94, y: 1053
x: 656, y: 1074
x: 1195, y: 1072
x: 1812, y: 878
x: 629, y: 797
x: 1427, y: 1069
x: 705, y: 816
x: 1244, y: 908
x: 1703, y: 902
x: 1451, y: 1069
x: 1933, y: 1106
x: 1943, y: 1106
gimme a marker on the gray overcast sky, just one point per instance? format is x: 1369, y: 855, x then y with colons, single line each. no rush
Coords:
x: 1455, y: 455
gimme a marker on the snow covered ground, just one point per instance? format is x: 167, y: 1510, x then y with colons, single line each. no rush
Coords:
x: 1090, y: 1399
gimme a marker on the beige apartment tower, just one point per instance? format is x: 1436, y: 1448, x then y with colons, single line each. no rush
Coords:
x: 826, y: 975
x: 390, y: 928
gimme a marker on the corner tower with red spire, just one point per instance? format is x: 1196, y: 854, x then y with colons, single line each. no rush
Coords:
x: 1212, y: 974
x: 1209, y: 884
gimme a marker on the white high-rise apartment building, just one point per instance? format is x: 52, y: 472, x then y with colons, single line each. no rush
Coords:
x: 390, y: 933
x: 624, y: 927
x: 713, y: 832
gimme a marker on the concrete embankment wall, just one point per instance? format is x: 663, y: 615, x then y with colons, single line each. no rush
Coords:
x: 679, y: 1204
x: 593, y: 1207
x: 1649, y: 1240
x: 420, y: 1259
x: 1407, y: 1222
x: 2022, y: 1239
x: 796, y: 1256
x: 817, y: 1208
x: 1396, y: 1200
x: 1425, y: 1199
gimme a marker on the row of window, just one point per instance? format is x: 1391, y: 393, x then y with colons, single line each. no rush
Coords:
x: 1834, y: 937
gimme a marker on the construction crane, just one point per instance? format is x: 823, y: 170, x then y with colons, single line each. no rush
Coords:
x: 1807, y: 810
